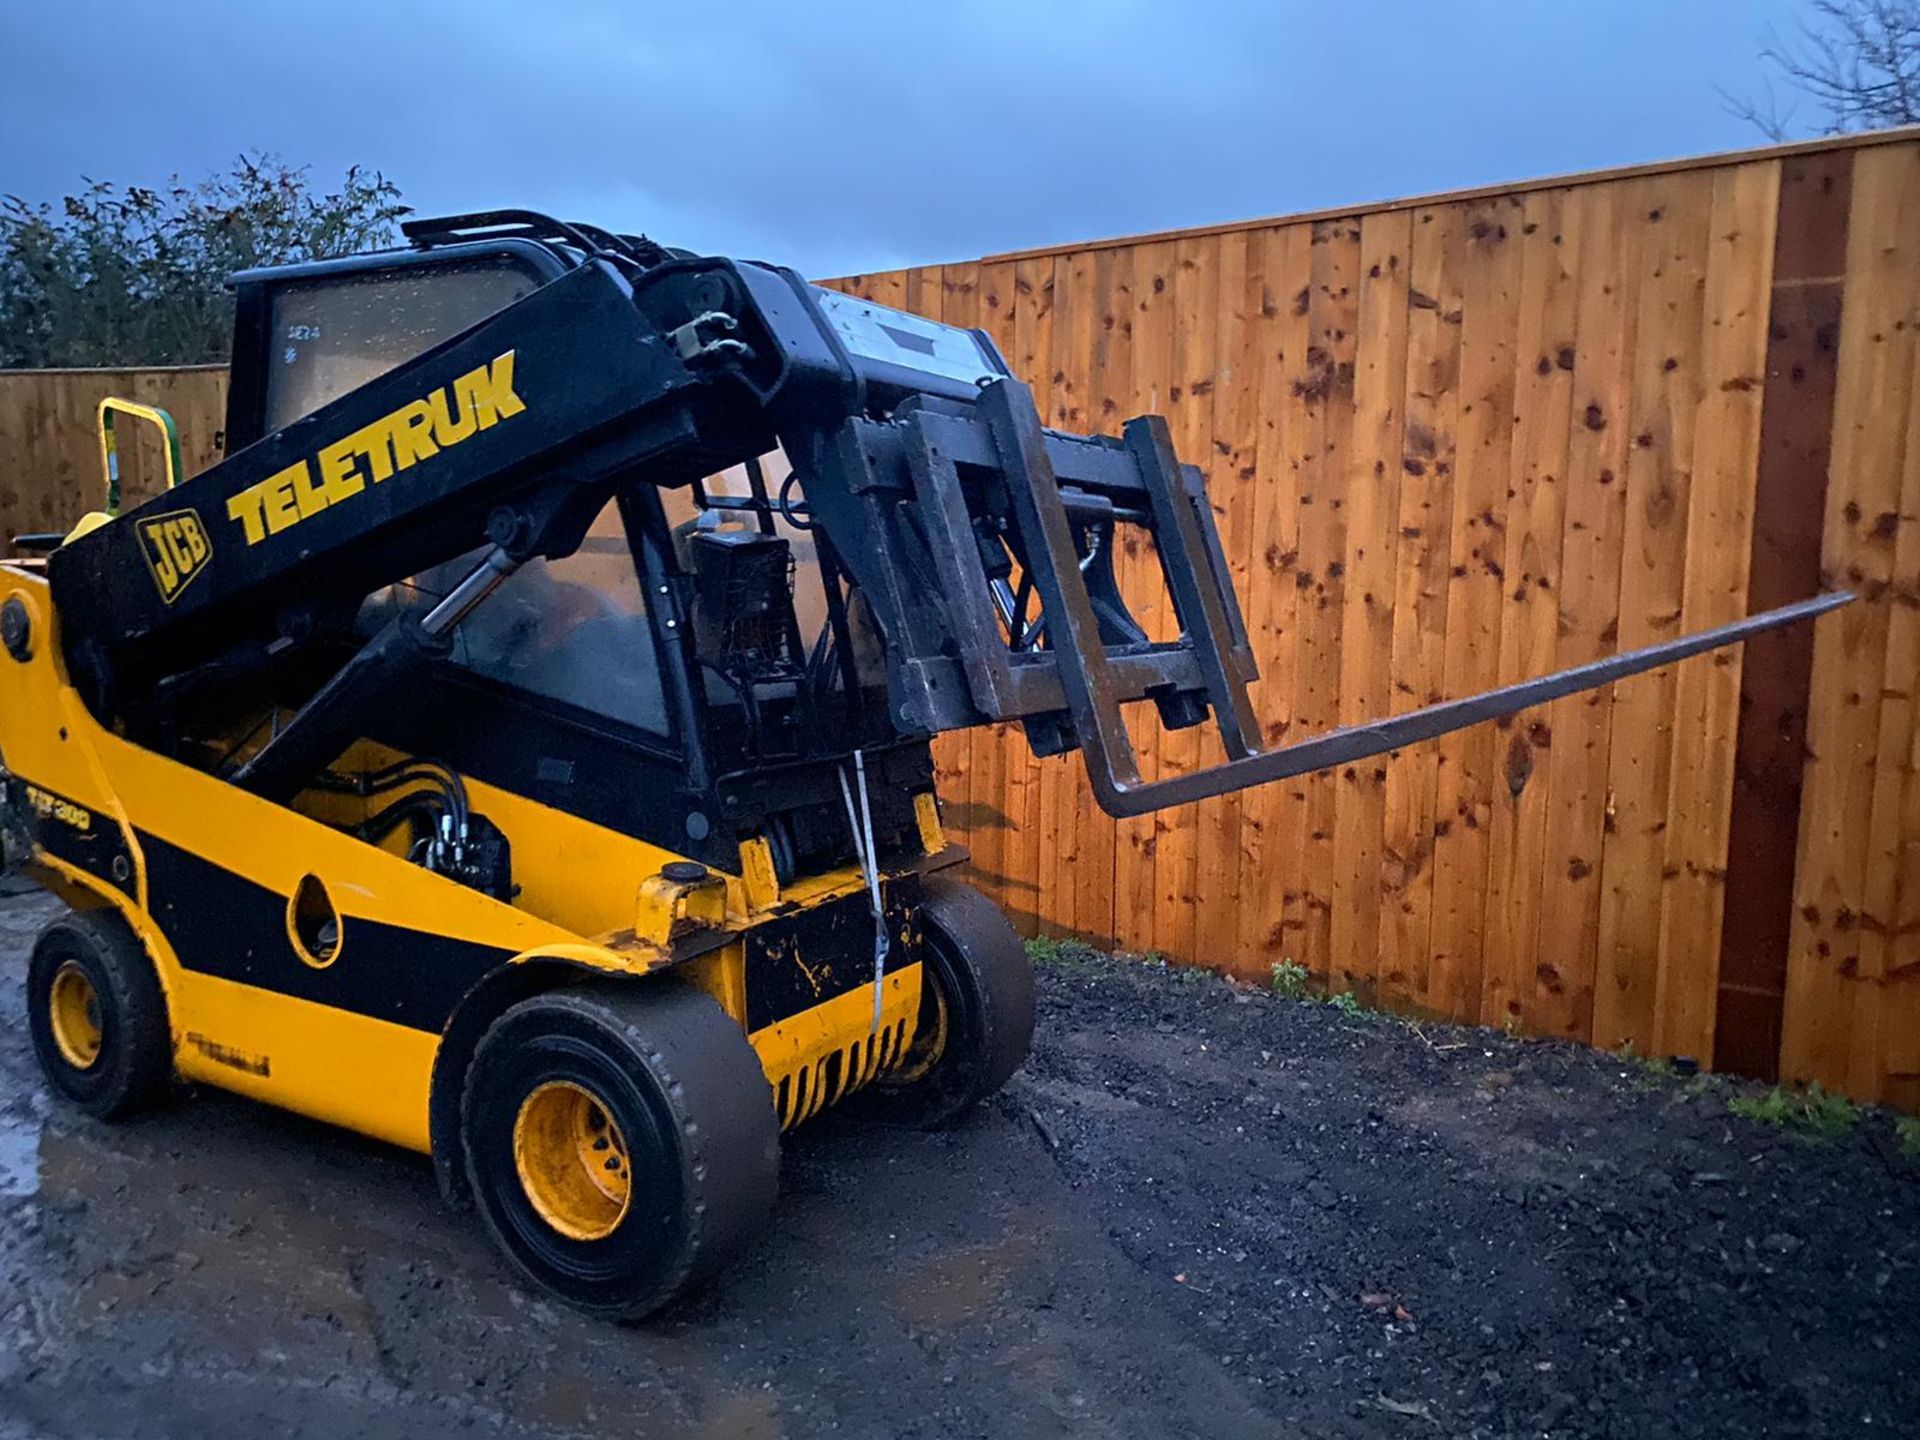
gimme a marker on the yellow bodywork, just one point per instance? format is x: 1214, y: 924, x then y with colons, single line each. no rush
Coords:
x: 589, y: 898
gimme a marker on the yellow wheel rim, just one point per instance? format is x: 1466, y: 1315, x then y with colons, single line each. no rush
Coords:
x: 929, y: 1039
x: 74, y: 1010
x: 572, y: 1160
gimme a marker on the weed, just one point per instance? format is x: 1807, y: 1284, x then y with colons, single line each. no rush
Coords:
x: 1347, y: 1003
x: 1178, y: 974
x: 1651, y: 1067
x: 1290, y: 979
x: 1052, y: 950
x: 1907, y: 1131
x: 1812, y: 1114
x: 1511, y: 1025
x: 1043, y: 950
x: 1702, y: 1083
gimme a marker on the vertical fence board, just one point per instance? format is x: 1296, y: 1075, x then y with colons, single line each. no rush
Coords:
x: 1327, y: 397
x: 994, y: 813
x: 1719, y: 543
x: 1192, y: 312
x: 1069, y: 836
x: 1420, y: 596
x: 959, y: 300
x: 1372, y: 557
x: 1612, y: 220
x: 1476, y: 548
x: 1109, y: 391
x: 1136, y: 889
x: 1883, y: 981
x: 1543, y: 357
x: 1229, y: 460
x: 1668, y: 387
x: 1269, y: 853
x: 1029, y: 877
x: 1287, y: 835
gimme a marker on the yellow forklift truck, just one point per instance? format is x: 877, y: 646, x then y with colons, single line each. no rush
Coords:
x: 487, y: 756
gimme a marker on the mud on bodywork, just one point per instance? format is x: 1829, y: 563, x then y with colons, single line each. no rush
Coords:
x: 809, y: 984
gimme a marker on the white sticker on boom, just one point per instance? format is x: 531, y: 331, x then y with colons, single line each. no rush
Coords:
x: 893, y: 337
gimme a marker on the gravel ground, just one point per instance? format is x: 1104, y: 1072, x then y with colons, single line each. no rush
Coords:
x: 1200, y: 1211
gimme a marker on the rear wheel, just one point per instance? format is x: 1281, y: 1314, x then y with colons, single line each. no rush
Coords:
x: 98, y: 1016
x: 976, y: 1012
x: 621, y: 1144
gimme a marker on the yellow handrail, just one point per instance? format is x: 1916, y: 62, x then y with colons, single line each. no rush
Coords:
x: 110, y: 449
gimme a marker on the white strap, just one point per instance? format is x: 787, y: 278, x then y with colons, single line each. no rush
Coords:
x: 868, y: 855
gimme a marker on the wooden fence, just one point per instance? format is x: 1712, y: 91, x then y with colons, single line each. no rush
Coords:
x: 1456, y: 442
x: 1451, y: 443
x: 50, y: 444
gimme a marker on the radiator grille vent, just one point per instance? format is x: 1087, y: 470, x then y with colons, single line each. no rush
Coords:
x: 809, y: 1089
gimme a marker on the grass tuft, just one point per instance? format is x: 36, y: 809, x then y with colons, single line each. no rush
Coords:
x: 1651, y: 1068
x: 1052, y: 950
x: 1812, y: 1114
x: 1044, y: 950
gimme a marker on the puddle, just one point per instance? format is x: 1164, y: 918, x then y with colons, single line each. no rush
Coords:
x: 955, y: 1287
x: 19, y: 1155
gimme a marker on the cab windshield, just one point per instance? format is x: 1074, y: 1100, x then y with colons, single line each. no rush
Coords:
x: 777, y: 647
x: 574, y: 630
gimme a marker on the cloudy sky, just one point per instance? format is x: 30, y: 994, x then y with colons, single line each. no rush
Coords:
x: 842, y: 135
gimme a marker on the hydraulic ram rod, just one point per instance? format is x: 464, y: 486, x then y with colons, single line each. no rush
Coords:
x: 1356, y: 742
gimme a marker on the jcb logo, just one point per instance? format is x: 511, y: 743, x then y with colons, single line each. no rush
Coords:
x: 177, y: 550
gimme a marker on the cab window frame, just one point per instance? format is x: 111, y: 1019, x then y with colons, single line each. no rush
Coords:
x: 255, y: 292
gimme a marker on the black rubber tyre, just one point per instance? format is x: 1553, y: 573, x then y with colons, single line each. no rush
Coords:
x: 976, y: 1012
x: 98, y: 1016
x: 682, y: 1093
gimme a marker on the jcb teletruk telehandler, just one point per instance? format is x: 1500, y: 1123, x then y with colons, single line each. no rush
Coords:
x: 459, y: 762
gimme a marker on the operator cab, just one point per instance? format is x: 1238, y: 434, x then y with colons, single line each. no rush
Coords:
x: 691, y: 671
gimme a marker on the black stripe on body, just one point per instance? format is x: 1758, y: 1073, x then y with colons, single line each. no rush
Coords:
x: 223, y: 924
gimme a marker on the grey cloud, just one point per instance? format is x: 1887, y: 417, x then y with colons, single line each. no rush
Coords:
x: 857, y: 135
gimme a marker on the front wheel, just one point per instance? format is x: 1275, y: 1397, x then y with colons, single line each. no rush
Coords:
x: 98, y: 1016
x: 976, y: 1012
x: 621, y: 1143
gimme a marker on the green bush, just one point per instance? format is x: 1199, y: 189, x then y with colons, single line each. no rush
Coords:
x: 1290, y: 979
x: 1907, y: 1131
x: 127, y: 275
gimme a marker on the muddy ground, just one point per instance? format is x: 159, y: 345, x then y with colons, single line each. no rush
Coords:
x: 1200, y: 1211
